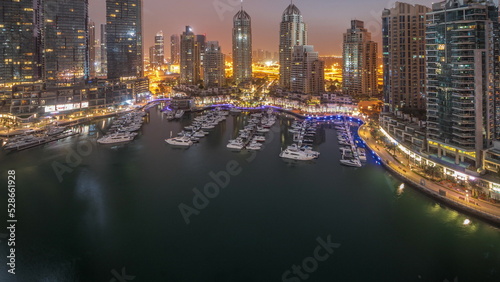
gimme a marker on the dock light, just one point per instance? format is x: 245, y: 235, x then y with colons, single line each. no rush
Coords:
x: 466, y: 221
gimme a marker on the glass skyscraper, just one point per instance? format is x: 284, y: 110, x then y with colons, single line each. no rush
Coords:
x: 242, y: 47
x: 64, y: 41
x: 17, y: 42
x: 293, y: 32
x: 124, y: 38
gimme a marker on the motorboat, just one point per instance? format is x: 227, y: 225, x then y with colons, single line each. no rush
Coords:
x: 296, y: 155
x: 351, y: 162
x: 236, y: 144
x: 362, y: 154
x: 180, y: 141
x: 115, y: 138
x: 179, y: 114
x: 259, y: 138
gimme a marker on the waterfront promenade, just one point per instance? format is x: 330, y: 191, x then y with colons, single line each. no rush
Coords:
x: 483, y: 209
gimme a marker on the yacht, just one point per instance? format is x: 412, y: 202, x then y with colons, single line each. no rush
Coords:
x: 55, y: 130
x: 254, y: 147
x: 179, y: 113
x: 235, y: 110
x: 362, y: 154
x: 199, y: 134
x: 259, y: 138
x: 115, y: 138
x: 351, y: 162
x: 296, y: 155
x: 262, y: 130
x: 236, y: 144
x: 180, y: 141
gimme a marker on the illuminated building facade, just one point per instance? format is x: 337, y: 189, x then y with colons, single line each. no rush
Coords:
x: 104, y: 51
x: 191, y: 56
x: 359, y: 76
x: 403, y: 30
x: 307, y: 71
x: 18, y: 48
x: 293, y: 32
x: 64, y: 41
x: 214, y: 66
x: 462, y: 77
x: 175, y: 49
x: 159, y: 53
x: 242, y: 47
x: 124, y: 38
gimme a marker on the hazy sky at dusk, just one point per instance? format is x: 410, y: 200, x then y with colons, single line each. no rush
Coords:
x: 326, y: 19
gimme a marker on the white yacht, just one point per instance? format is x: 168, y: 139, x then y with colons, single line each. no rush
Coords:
x: 296, y: 155
x: 235, y: 110
x: 115, y: 138
x: 259, y: 138
x: 180, y: 141
x: 351, y: 162
x: 236, y: 144
x: 179, y: 113
x: 362, y: 154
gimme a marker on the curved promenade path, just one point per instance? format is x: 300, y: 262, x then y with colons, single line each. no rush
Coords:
x: 483, y: 209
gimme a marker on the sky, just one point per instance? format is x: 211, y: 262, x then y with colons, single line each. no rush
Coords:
x: 326, y: 20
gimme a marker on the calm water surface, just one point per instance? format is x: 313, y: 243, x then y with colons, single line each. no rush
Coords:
x: 116, y: 208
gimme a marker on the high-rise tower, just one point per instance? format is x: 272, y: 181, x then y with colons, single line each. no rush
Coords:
x: 404, y: 60
x: 359, y: 76
x: 462, y: 76
x: 124, y: 38
x: 293, y: 32
x: 159, y: 54
x: 190, y: 57
x: 242, y: 47
x: 18, y: 45
x: 64, y: 41
x: 214, y: 67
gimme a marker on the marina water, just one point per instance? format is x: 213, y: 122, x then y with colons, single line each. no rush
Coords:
x: 89, y: 212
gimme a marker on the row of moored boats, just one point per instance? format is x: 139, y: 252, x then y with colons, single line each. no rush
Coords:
x: 252, y: 135
x: 304, y: 133
x: 198, y: 129
x: 123, y: 128
x: 352, y: 155
x: 51, y: 133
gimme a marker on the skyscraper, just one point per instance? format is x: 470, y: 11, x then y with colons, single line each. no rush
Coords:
x: 462, y: 75
x: 124, y: 38
x: 403, y: 30
x: 293, y: 32
x: 359, y: 76
x: 175, y: 49
x: 92, y: 50
x: 307, y: 71
x: 214, y: 73
x: 104, y: 51
x: 17, y: 42
x: 64, y: 41
x: 159, y: 57
x: 190, y: 57
x: 242, y: 47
